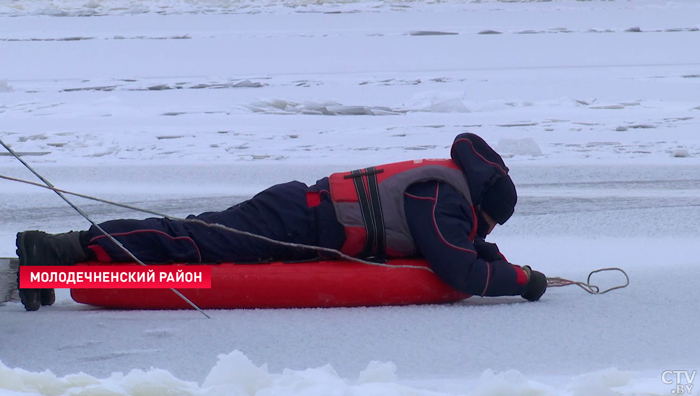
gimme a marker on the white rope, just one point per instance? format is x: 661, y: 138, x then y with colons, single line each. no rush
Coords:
x: 588, y: 286
x: 551, y: 282
x: 60, y: 194
x: 220, y: 226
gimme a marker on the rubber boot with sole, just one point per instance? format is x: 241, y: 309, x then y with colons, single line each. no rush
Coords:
x: 39, y: 248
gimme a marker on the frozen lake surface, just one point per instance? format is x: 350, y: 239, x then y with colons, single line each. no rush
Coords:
x: 190, y: 106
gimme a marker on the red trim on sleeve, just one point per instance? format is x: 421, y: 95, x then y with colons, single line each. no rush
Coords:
x: 472, y: 234
x: 488, y: 279
x: 521, y: 275
x: 417, y: 197
x: 437, y: 229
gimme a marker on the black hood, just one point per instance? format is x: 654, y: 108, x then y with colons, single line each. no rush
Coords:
x: 487, y: 175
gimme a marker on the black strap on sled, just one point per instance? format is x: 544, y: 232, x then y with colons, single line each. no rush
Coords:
x: 371, y: 207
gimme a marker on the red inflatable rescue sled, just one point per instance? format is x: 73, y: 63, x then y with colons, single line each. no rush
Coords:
x: 318, y: 284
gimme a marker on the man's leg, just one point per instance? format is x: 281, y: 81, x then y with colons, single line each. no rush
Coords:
x: 279, y: 213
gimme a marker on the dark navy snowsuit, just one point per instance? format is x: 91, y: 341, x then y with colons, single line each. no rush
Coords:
x: 440, y: 221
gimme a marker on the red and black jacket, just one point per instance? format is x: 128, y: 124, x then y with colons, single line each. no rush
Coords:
x: 436, y: 212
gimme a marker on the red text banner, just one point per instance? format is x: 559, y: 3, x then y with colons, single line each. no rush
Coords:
x: 115, y: 277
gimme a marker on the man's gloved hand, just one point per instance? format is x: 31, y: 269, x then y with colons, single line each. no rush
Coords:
x: 536, y: 284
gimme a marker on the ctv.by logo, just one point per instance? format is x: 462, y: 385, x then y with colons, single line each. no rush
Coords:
x: 669, y: 377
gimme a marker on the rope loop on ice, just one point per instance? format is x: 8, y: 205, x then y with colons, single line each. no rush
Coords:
x: 587, y: 285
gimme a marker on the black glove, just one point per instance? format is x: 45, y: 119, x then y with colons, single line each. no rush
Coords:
x: 487, y: 251
x: 536, y: 284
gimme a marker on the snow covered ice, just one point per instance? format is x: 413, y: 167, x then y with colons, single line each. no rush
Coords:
x: 190, y: 106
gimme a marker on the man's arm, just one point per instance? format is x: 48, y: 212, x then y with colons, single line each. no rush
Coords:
x: 441, y: 223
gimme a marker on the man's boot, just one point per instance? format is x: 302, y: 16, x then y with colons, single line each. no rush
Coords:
x: 48, y: 296
x: 40, y: 248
